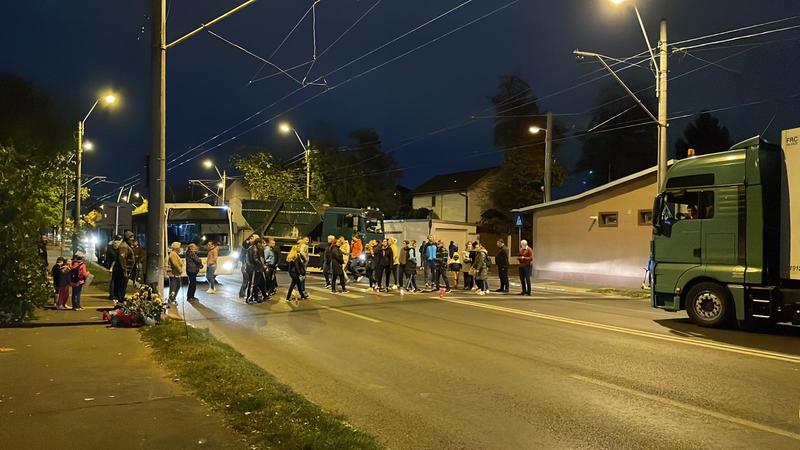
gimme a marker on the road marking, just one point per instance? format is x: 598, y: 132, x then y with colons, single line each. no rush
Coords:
x: 6, y: 350
x: 682, y: 340
x: 351, y: 314
x: 692, y: 408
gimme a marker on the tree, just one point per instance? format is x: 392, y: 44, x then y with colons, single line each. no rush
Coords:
x: 622, y: 139
x: 705, y: 135
x: 33, y: 158
x: 519, y: 180
x: 266, y: 177
x: 358, y: 174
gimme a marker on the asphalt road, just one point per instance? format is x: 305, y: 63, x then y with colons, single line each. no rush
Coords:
x: 556, y: 370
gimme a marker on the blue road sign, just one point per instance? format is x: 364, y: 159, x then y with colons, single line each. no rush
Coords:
x: 518, y: 220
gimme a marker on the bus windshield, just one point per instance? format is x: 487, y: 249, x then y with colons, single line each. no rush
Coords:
x: 200, y: 226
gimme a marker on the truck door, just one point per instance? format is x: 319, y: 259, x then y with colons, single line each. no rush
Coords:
x: 677, y: 243
x: 723, y: 250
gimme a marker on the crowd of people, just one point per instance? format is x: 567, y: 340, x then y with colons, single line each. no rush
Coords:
x: 386, y: 264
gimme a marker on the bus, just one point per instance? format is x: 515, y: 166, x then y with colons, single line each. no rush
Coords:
x: 196, y: 223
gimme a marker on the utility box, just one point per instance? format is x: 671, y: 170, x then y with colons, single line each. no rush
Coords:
x: 790, y: 211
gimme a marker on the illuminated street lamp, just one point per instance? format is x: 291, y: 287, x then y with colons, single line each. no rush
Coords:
x: 107, y: 99
x: 88, y: 146
x: 548, y: 153
x: 223, y: 181
x: 286, y: 128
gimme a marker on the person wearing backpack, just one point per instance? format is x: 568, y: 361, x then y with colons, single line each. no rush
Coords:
x: 78, y: 275
x: 410, y: 267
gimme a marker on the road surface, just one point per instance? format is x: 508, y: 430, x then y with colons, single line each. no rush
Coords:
x: 556, y: 370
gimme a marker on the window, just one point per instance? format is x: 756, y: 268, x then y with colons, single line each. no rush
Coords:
x: 706, y: 179
x: 688, y: 206
x: 433, y: 200
x: 645, y: 217
x: 608, y: 219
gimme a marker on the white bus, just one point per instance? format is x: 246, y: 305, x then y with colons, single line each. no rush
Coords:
x: 196, y: 223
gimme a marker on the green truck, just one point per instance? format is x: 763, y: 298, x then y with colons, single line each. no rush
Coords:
x: 726, y: 235
x: 288, y: 221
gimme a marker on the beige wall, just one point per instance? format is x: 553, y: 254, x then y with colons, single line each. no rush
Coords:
x: 568, y: 245
x: 449, y: 206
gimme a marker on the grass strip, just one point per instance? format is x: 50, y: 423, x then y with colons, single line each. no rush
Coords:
x: 266, y: 412
x: 622, y: 292
x: 102, y: 276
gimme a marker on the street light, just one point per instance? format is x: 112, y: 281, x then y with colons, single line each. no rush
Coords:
x: 88, y: 146
x: 286, y: 128
x: 223, y: 177
x: 548, y: 153
x: 106, y: 99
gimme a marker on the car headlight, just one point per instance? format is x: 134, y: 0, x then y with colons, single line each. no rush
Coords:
x: 362, y: 257
x: 235, y: 254
x: 227, y: 266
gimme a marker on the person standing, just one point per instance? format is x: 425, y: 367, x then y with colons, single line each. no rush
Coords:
x: 403, y: 261
x: 344, y: 247
x: 454, y: 266
x: 123, y: 266
x: 337, y: 267
x: 297, y: 272
x: 466, y: 267
x: 243, y: 289
x: 452, y: 249
x: 193, y: 266
x: 326, y: 261
x: 410, y: 267
x: 78, y: 275
x: 211, y: 269
x: 395, y: 263
x: 356, y: 249
x: 440, y: 265
x: 61, y: 279
x: 369, y: 265
x: 270, y: 263
x: 256, y: 266
x: 175, y: 271
x: 525, y: 259
x: 430, y: 260
x: 481, y: 269
x: 501, y: 259
x: 110, y: 260
x: 388, y: 262
x: 379, y: 254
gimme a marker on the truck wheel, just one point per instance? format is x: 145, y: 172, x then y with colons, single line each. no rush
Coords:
x: 708, y: 304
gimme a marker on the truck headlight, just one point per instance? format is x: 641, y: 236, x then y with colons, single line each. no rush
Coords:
x: 227, y: 265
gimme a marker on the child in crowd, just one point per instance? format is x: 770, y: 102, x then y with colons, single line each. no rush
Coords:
x: 61, y: 282
x: 455, y: 266
x: 78, y: 276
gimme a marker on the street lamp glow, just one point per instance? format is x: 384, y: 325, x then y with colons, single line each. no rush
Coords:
x: 208, y: 163
x: 87, y: 145
x: 617, y: 2
x: 285, y: 128
x: 534, y: 130
x: 219, y: 185
x: 110, y: 98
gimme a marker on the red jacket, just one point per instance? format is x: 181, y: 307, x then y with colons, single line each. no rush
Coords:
x: 525, y: 257
x: 356, y: 249
x: 82, y: 272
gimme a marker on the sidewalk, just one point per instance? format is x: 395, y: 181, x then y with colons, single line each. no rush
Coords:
x: 69, y: 381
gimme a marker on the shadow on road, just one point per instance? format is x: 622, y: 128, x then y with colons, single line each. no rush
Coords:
x: 781, y: 338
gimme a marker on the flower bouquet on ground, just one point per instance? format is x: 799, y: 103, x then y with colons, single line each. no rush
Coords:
x: 145, y: 307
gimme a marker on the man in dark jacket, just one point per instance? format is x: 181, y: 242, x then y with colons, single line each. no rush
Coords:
x: 337, y: 267
x: 326, y: 261
x: 256, y: 266
x: 123, y: 266
x: 243, y: 264
x: 501, y: 259
x: 440, y: 268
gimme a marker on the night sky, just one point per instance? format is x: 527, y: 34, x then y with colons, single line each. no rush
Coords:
x: 75, y: 50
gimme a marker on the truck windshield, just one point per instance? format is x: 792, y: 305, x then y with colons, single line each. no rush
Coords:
x: 373, y: 225
x: 684, y: 205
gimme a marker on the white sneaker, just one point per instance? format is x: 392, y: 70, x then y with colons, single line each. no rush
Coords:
x: 211, y: 291
x: 481, y: 293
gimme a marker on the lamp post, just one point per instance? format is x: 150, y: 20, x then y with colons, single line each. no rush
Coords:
x: 548, y: 155
x: 107, y: 99
x: 223, y: 176
x: 285, y: 128
x: 660, y: 69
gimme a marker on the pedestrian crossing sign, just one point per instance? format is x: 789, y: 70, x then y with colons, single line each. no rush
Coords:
x: 518, y: 220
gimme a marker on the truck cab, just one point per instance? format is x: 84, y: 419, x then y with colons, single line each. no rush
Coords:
x: 716, y: 247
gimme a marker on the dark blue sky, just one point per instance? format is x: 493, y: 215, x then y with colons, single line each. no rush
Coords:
x: 77, y: 49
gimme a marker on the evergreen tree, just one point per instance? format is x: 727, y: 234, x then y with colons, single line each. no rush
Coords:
x: 705, y: 135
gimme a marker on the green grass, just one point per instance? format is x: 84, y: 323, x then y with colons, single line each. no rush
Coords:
x: 266, y: 412
x: 623, y: 292
x: 101, y: 276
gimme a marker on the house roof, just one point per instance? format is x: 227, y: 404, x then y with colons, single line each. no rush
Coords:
x: 590, y: 192
x: 452, y: 182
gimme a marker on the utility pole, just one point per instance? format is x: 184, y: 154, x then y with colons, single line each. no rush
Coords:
x: 78, y: 176
x: 157, y: 167
x: 224, y: 185
x: 64, y: 212
x: 548, y: 158
x: 662, y: 105
x: 308, y: 169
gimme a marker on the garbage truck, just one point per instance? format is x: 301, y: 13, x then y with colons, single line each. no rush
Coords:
x: 726, y: 235
x: 288, y: 221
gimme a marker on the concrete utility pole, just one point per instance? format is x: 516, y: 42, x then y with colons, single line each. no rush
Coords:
x: 662, y: 106
x: 308, y: 169
x: 548, y: 158
x: 157, y: 167
x: 78, y: 174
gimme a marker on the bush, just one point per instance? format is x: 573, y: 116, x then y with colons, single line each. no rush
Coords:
x: 31, y: 203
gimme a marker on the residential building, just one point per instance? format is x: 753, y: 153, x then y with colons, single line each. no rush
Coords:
x: 456, y: 197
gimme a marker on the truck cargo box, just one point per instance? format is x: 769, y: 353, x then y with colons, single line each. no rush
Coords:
x: 790, y: 217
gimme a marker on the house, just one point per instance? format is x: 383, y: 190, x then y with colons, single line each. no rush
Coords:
x: 456, y: 197
x: 600, y: 237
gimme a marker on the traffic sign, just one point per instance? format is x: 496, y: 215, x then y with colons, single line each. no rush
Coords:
x: 518, y: 220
